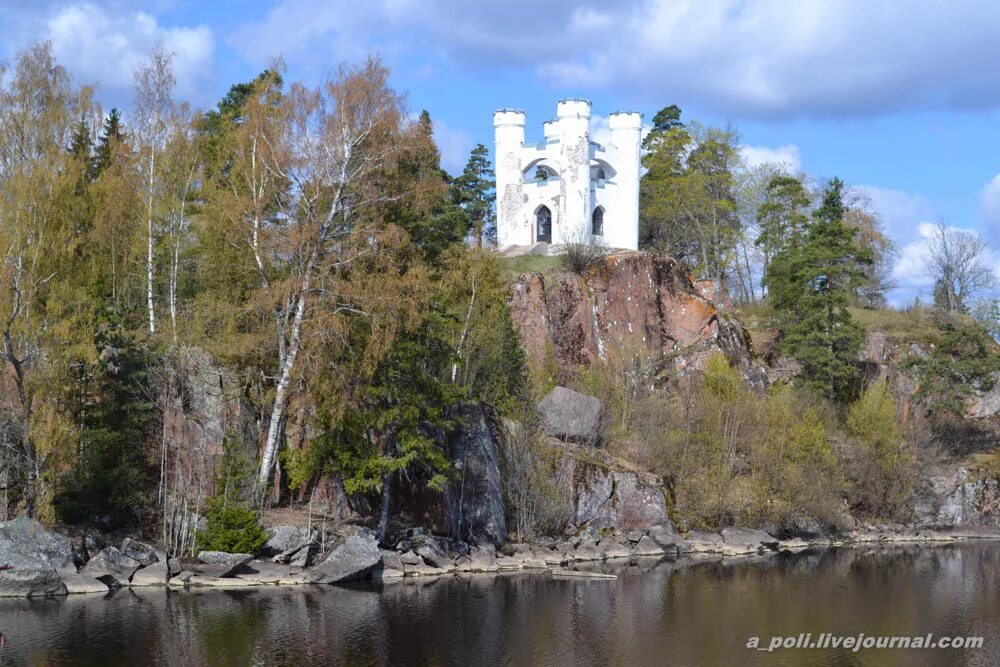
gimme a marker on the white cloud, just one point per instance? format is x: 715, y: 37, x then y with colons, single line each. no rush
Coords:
x: 600, y: 130
x: 454, y: 145
x: 99, y: 45
x: 786, y: 155
x: 910, y: 272
x: 902, y: 213
x: 762, y: 58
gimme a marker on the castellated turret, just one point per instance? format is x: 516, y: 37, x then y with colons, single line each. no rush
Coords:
x: 567, y: 189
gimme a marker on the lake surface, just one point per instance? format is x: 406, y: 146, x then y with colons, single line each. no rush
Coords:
x: 689, y: 612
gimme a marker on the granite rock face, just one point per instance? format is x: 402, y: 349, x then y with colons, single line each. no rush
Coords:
x: 604, y: 495
x: 471, y: 506
x: 954, y: 499
x: 636, y: 300
x: 25, y: 544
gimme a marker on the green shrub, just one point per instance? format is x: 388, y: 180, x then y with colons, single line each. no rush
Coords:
x: 734, y: 456
x: 232, y: 527
x: 881, y: 469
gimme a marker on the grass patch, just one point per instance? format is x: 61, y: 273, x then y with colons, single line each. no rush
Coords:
x: 533, y: 264
x: 912, y: 325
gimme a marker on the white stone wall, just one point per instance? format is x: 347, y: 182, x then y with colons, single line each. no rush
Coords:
x: 572, y: 192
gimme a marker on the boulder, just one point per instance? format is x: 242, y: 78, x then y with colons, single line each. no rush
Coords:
x: 111, y: 566
x: 391, y: 566
x: 427, y: 547
x: 81, y: 583
x: 304, y: 556
x: 668, y: 540
x: 705, y: 542
x: 25, y: 544
x: 483, y: 558
x: 647, y: 547
x: 433, y: 555
x: 410, y: 558
x: 747, y: 540
x: 571, y: 416
x: 219, y: 563
x: 31, y: 582
x: 266, y: 572
x: 284, y: 539
x: 224, y: 558
x: 143, y: 553
x: 615, y: 549
x: 353, y: 557
x: 587, y: 550
x: 151, y: 575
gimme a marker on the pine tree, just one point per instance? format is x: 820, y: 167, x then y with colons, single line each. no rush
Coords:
x: 809, y: 286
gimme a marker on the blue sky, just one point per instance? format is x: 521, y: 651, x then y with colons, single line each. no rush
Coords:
x: 900, y: 99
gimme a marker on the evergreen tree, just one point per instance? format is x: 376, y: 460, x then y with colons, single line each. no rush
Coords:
x: 475, y: 193
x: 111, y: 136
x: 809, y: 286
x: 428, y: 210
x: 783, y: 216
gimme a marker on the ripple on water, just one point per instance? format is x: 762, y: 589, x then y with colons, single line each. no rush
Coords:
x: 677, y: 613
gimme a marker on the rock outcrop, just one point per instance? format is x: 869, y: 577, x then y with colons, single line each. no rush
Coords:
x: 635, y: 301
x: 471, y: 507
x: 25, y: 544
x: 953, y: 499
x: 606, y: 495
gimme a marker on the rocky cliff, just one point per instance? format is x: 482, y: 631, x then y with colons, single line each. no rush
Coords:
x: 632, y: 301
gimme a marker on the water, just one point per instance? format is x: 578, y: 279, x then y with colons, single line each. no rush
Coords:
x: 692, y: 612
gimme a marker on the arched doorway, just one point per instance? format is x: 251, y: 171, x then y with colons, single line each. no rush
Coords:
x: 597, y: 222
x: 543, y: 225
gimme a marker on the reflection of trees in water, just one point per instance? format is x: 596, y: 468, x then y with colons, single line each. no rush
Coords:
x: 693, y: 611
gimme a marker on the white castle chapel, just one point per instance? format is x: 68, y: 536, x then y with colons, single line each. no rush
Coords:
x: 567, y: 189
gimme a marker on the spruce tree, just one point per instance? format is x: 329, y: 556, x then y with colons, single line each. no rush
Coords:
x: 474, y: 191
x: 111, y: 135
x: 809, y: 286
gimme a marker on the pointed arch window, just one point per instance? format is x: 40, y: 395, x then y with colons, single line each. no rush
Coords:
x: 543, y: 225
x: 597, y: 222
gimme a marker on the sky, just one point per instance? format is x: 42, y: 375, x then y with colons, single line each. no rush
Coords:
x: 899, y: 99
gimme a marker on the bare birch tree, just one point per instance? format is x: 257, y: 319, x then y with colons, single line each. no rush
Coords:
x: 340, y: 136
x: 154, y: 83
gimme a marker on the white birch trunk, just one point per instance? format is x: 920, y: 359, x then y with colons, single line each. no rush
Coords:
x: 284, y: 382
x: 149, y: 244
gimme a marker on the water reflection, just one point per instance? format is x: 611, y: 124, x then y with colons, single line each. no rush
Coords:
x: 689, y: 612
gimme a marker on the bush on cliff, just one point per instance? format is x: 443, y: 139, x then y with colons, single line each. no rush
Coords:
x: 880, y: 467
x: 732, y: 456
